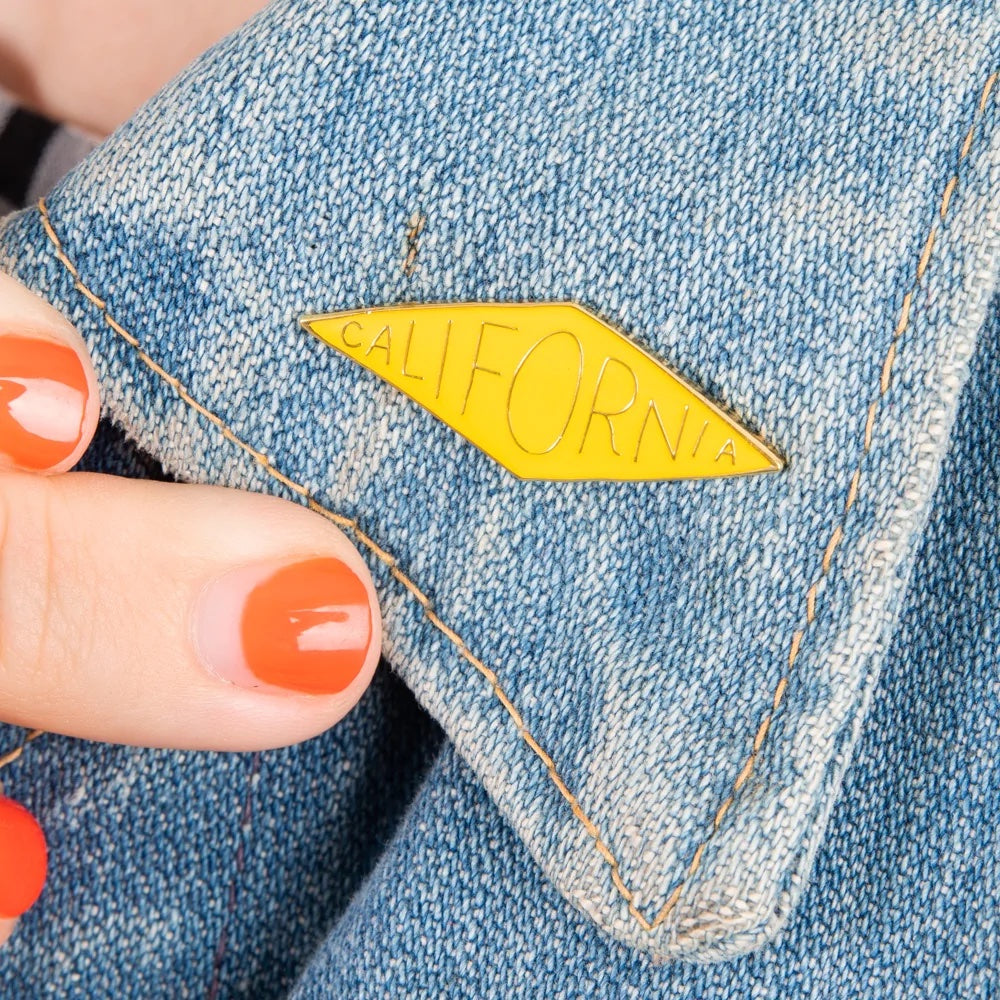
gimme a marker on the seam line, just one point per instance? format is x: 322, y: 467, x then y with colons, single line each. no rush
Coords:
x: 838, y: 532
x: 12, y: 755
x: 352, y: 525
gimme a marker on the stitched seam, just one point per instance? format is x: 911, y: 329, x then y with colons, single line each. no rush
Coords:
x: 12, y: 755
x: 837, y: 534
x: 352, y: 525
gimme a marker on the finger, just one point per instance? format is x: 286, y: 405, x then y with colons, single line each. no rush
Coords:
x: 93, y: 62
x: 23, y: 862
x: 175, y: 615
x: 49, y: 401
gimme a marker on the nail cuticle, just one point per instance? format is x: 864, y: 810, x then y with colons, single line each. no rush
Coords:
x: 305, y: 626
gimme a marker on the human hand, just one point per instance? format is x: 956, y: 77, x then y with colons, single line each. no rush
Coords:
x: 152, y: 613
x: 141, y: 612
x: 93, y: 62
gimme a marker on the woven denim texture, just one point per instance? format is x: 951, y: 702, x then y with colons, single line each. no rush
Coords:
x: 792, y: 204
x: 905, y: 899
x: 206, y: 875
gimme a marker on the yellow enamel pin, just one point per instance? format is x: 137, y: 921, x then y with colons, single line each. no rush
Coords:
x: 548, y: 390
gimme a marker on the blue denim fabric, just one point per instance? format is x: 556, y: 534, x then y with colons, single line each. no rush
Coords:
x: 209, y: 875
x: 905, y: 899
x: 659, y: 684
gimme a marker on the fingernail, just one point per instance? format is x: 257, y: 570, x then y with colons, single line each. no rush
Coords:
x: 302, y: 627
x: 23, y: 858
x: 43, y: 401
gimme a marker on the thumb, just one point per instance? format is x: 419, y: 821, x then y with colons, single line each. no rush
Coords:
x: 158, y: 613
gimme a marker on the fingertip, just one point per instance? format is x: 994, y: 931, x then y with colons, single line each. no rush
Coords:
x: 189, y: 616
x: 294, y: 642
x: 23, y: 859
x: 49, y: 399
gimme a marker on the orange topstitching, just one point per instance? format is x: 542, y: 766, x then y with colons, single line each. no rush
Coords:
x: 351, y: 524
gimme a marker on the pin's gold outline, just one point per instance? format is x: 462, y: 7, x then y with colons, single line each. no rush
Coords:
x: 778, y: 463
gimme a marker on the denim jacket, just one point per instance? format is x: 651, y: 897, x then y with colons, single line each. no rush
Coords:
x: 711, y: 737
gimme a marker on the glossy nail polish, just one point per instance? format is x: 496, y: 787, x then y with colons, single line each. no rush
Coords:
x: 23, y: 858
x: 304, y: 627
x: 43, y: 401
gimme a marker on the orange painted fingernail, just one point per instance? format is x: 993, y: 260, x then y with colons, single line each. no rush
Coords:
x: 43, y: 401
x: 23, y: 858
x: 302, y: 627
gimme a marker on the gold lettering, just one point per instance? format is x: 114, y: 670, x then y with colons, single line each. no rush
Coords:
x: 672, y: 448
x: 547, y: 389
x: 406, y: 353
x: 572, y: 403
x: 608, y: 414
x: 376, y: 346
x: 697, y: 444
x: 729, y: 448
x: 343, y: 334
x: 476, y: 366
x: 444, y: 355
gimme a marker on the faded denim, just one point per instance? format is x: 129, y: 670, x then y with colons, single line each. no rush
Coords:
x: 903, y: 901
x: 659, y: 685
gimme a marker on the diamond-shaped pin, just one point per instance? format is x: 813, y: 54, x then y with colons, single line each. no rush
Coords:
x: 548, y: 390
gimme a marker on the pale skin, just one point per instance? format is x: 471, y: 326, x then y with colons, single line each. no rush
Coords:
x: 98, y: 575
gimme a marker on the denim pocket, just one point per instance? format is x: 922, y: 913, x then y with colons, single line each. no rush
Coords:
x: 659, y: 683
